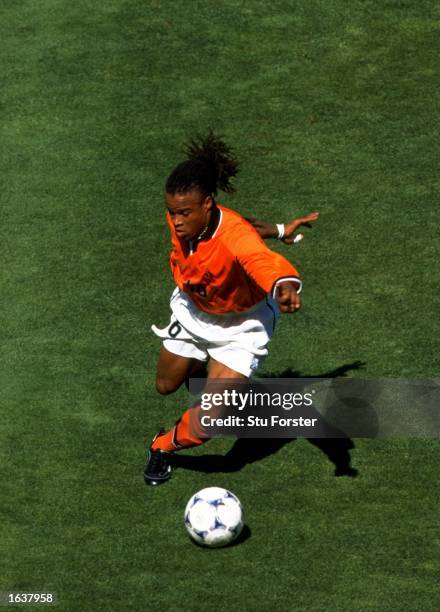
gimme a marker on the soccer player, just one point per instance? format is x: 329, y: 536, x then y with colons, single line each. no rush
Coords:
x: 230, y: 288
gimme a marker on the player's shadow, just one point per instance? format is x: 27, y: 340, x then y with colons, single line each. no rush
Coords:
x: 249, y: 450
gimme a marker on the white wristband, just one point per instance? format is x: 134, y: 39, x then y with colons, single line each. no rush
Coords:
x: 281, y: 229
x: 292, y: 279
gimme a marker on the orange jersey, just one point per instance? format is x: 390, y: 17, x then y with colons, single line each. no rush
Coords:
x: 231, y: 271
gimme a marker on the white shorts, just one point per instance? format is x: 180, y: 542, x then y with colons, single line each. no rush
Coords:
x: 237, y: 340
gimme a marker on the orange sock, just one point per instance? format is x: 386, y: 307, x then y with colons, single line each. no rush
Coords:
x: 183, y: 435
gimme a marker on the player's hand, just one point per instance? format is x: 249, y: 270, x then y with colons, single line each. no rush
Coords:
x: 290, y: 228
x: 287, y: 298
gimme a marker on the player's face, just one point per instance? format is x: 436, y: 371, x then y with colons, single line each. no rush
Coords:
x: 189, y: 212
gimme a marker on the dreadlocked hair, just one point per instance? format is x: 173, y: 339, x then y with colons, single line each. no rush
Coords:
x: 209, y: 166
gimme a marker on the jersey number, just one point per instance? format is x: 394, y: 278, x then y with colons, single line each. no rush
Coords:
x: 174, y: 329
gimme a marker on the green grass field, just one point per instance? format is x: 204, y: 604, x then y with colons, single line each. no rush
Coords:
x: 331, y: 106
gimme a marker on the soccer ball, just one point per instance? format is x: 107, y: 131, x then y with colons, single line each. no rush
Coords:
x: 214, y: 517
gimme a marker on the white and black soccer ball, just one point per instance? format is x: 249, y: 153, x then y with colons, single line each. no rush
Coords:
x: 214, y: 517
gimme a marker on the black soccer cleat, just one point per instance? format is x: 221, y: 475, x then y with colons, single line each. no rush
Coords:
x: 157, y: 470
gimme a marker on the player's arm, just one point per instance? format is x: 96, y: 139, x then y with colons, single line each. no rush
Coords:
x: 272, y: 272
x: 283, y: 231
x: 265, y: 230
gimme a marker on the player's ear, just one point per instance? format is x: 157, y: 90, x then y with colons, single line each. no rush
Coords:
x: 208, y: 202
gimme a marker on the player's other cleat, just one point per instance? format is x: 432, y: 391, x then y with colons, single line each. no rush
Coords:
x: 158, y: 467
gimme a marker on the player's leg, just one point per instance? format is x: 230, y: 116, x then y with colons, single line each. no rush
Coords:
x: 174, y: 369
x: 185, y: 432
x: 181, y: 356
x: 240, y: 348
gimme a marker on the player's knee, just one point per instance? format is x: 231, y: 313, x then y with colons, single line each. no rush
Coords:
x: 164, y: 386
